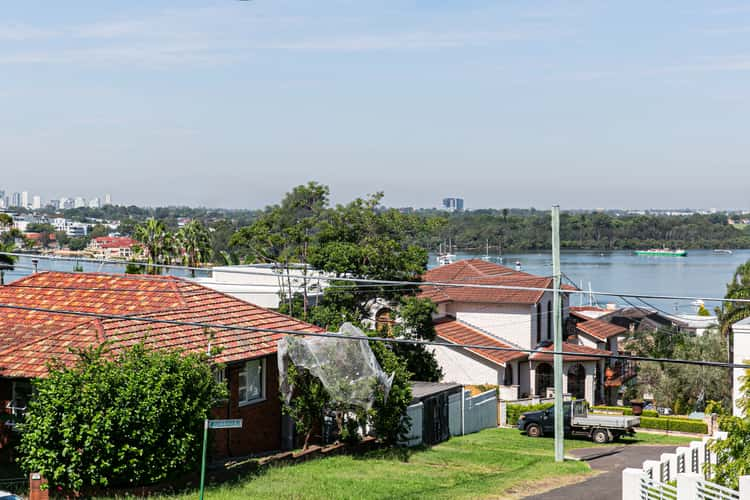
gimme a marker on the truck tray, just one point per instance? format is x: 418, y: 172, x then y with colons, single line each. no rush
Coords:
x: 608, y: 421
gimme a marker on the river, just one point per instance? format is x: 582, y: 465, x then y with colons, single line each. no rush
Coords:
x: 702, y: 273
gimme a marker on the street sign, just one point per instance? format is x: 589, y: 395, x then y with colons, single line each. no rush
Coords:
x: 232, y: 423
x: 235, y: 423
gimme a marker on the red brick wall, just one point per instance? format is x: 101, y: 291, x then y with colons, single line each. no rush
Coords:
x: 261, y: 422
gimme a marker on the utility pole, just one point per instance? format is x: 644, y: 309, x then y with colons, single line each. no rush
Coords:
x: 557, y: 319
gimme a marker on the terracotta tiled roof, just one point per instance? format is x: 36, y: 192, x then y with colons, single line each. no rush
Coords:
x: 115, y: 241
x: 459, y: 333
x: 574, y: 350
x: 600, y: 329
x: 28, y: 340
x: 476, y: 271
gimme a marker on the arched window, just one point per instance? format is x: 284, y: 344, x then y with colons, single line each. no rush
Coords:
x: 508, y: 374
x: 577, y: 381
x: 383, y: 321
x: 543, y: 378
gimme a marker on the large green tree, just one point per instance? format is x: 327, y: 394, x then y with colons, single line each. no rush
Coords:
x: 682, y: 387
x: 124, y: 419
x: 358, y: 239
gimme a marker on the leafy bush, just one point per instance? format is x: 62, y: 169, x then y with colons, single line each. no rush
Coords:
x: 132, y: 418
x: 515, y: 411
x: 388, y: 416
x: 674, y: 424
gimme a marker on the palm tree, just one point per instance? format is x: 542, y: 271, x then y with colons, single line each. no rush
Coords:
x: 193, y: 243
x: 157, y: 242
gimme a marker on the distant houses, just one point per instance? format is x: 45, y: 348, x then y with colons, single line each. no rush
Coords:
x: 115, y: 247
x: 266, y: 285
x: 507, y: 319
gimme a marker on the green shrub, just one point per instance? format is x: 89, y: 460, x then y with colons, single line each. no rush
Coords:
x: 514, y: 411
x: 132, y: 418
x: 625, y: 410
x: 674, y: 424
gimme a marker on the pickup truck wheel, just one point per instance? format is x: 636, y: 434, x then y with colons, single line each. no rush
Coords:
x: 600, y: 436
x: 533, y: 430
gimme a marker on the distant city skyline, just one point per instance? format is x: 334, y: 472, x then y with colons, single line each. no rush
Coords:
x: 231, y: 104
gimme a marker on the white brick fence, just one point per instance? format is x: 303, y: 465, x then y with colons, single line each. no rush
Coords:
x: 680, y: 475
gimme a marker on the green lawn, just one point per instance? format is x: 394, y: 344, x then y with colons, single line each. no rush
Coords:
x: 486, y: 464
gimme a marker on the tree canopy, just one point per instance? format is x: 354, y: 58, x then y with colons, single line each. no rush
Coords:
x: 361, y: 239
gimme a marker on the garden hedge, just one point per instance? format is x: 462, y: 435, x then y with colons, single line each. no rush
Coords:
x: 514, y: 411
x: 625, y: 410
x: 674, y: 424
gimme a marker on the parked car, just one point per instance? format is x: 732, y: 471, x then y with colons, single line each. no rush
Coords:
x: 598, y: 428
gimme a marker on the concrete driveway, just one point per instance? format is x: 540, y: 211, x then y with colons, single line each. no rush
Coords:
x: 607, y: 485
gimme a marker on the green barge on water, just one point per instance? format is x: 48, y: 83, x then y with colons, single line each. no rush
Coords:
x: 662, y: 252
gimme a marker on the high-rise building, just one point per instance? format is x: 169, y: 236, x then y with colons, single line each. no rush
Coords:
x: 79, y: 202
x: 54, y: 204
x: 25, y: 202
x: 15, y: 199
x: 95, y: 203
x: 107, y: 199
x: 453, y: 204
x: 36, y: 202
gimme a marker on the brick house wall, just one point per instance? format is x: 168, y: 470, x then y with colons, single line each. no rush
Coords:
x: 261, y: 431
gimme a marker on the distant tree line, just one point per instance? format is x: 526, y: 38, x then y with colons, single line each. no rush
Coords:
x: 473, y: 230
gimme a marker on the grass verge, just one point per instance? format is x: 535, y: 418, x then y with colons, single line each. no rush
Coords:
x: 489, y: 464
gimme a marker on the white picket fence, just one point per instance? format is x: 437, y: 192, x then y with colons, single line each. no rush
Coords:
x: 479, y: 412
x: 684, y: 468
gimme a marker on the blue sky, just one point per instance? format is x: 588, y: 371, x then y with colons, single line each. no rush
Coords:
x: 230, y: 103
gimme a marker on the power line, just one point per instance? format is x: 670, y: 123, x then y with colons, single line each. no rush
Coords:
x: 410, y: 283
x: 215, y: 326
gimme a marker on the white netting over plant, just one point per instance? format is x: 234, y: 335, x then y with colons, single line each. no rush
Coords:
x: 347, y: 368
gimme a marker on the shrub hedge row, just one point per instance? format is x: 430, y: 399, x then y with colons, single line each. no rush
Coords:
x: 674, y: 424
x: 649, y: 419
x: 514, y: 411
x: 625, y: 410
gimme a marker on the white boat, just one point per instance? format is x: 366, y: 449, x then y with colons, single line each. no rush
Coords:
x: 518, y: 265
x: 446, y: 258
x: 722, y: 251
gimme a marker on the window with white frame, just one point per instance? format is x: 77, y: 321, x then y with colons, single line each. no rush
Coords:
x: 252, y: 381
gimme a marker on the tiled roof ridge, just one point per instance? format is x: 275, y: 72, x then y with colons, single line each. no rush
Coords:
x: 585, y: 327
x: 171, y: 281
